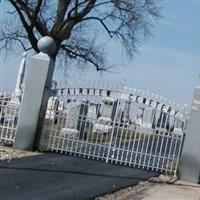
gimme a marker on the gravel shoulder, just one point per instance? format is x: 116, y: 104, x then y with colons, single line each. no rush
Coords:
x: 8, y: 153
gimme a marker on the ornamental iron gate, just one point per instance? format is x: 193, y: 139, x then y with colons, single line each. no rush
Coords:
x: 9, y: 110
x: 132, y: 128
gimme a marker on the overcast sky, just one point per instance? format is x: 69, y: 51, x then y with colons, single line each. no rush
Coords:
x: 168, y: 64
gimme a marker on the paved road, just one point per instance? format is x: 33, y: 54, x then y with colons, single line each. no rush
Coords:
x: 60, y: 177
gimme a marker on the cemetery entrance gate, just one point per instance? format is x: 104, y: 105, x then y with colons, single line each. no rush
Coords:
x: 132, y: 128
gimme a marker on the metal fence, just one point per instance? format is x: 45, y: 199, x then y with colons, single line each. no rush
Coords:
x: 9, y: 109
x: 128, y: 127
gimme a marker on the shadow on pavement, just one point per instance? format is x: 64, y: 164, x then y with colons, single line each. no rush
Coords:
x: 53, y: 176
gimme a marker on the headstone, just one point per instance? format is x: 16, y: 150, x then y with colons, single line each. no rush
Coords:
x: 178, y: 125
x: 52, y: 107
x: 147, y: 117
x: 126, y: 112
x: 107, y: 107
x: 163, y: 121
x: 139, y: 116
x: 82, y: 122
x: 144, y: 119
x: 103, y: 124
x: 92, y: 113
x: 72, y: 110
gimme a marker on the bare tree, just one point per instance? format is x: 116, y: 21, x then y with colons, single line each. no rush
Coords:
x: 72, y: 24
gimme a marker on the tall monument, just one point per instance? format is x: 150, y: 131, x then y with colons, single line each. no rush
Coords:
x: 20, y: 77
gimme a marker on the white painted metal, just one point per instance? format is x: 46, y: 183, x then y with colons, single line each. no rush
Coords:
x: 8, y: 118
x: 110, y: 131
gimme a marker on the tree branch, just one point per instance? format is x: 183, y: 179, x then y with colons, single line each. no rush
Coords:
x: 72, y: 20
x: 102, y: 23
x: 35, y: 13
x: 61, y: 12
x: 87, y: 56
x: 29, y: 31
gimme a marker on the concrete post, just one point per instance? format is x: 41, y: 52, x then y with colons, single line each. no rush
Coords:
x: 36, y: 93
x: 190, y: 163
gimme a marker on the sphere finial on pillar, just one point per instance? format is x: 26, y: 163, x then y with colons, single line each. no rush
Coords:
x: 47, y: 45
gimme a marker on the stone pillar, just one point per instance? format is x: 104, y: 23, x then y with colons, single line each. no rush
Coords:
x: 190, y: 163
x: 36, y: 94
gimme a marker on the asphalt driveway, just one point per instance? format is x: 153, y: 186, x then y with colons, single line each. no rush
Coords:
x: 59, y: 177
